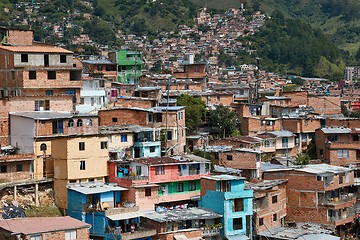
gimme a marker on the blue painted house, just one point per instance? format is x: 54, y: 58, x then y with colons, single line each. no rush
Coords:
x: 99, y: 204
x: 147, y: 143
x: 225, y: 194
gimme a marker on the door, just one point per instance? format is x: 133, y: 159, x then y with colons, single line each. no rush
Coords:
x: 46, y: 60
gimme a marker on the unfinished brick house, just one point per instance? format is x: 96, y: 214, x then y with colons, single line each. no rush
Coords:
x: 321, y: 191
x: 338, y: 145
x: 269, y: 204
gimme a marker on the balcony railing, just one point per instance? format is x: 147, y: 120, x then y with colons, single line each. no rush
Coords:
x: 141, y: 232
x: 211, y: 232
x: 137, y: 177
x: 349, y: 213
x: 339, y: 200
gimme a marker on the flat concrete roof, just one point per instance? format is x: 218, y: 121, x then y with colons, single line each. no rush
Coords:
x: 94, y: 187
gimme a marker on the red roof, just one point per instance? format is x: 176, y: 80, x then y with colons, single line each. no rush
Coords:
x: 34, y: 225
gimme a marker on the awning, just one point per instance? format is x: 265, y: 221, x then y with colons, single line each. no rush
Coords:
x: 180, y: 237
x: 238, y: 237
x: 127, y: 215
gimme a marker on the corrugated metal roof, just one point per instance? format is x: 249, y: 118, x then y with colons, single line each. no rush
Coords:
x: 94, y: 187
x: 43, y: 115
x: 223, y: 177
x: 127, y: 215
x: 282, y: 133
x: 336, y: 130
x: 182, y: 215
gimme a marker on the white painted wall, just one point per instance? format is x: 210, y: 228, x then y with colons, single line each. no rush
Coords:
x: 22, y: 132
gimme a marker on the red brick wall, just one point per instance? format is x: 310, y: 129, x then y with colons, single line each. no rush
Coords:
x: 134, y: 102
x: 20, y: 37
x: 240, y: 160
x: 207, y: 184
x: 124, y: 116
x: 325, y: 105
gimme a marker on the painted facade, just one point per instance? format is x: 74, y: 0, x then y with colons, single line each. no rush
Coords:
x: 129, y: 67
x: 227, y: 196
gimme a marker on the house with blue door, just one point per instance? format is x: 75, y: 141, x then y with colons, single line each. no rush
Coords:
x: 100, y: 205
x: 226, y: 195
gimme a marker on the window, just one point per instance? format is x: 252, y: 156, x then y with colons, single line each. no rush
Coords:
x: 180, y: 187
x: 89, y: 122
x: 49, y: 92
x: 19, y: 167
x: 152, y: 149
x: 24, y: 57
x: 274, y: 199
x: 43, y: 147
x: 147, y: 192
x: 159, y: 170
x: 267, y: 143
x: 123, y: 138
x: 229, y: 157
x: 355, y: 138
x: 51, y: 75
x: 36, y: 237
x: 3, y: 169
x: 332, y: 138
x: 238, y: 205
x: 103, y: 145
x: 192, y: 186
x: 62, y: 58
x: 274, y: 217
x: 82, y: 101
x: 79, y: 123
x: 343, y: 153
x: 70, y: 235
x: 114, y: 119
x: 285, y: 142
x: 82, y: 165
x: 138, y: 170
x: 169, y: 135
x: 81, y: 146
x: 42, y: 105
x: 32, y: 75
x: 71, y: 123
x: 224, y: 186
x: 321, y: 152
x: 237, y: 224
x: 261, y: 221
x: 58, y: 126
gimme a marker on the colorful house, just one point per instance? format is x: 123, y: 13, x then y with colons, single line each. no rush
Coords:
x: 129, y: 65
x: 101, y: 205
x: 160, y: 182
x: 226, y: 195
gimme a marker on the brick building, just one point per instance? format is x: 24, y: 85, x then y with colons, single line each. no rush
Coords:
x: 269, y: 204
x: 321, y: 191
x: 338, y: 145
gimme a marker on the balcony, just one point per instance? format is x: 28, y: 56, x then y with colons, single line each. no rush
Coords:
x: 139, y: 233
x: 335, y: 201
x: 342, y: 216
x: 209, y: 232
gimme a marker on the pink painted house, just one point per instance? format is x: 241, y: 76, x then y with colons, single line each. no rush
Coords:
x: 160, y: 182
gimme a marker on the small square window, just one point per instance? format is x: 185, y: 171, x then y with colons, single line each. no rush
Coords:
x: 261, y: 221
x: 147, y: 192
x: 62, y: 58
x: 152, y: 149
x: 114, y: 119
x: 49, y: 92
x: 274, y: 199
x: 237, y: 224
x: 229, y: 157
x: 355, y: 138
x: 103, y: 145
x: 179, y: 187
x: 19, y: 167
x: 192, y: 186
x: 32, y: 75
x: 159, y: 170
x: 24, y: 57
x: 123, y: 137
x: 3, y: 169
x: 82, y: 165
x: 81, y: 146
x: 51, y: 75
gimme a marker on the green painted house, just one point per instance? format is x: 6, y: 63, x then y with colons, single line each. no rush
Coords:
x: 129, y: 65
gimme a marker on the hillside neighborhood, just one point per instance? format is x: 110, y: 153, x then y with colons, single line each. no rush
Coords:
x: 171, y: 139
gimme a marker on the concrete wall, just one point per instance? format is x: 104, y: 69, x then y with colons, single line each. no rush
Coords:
x: 37, y: 60
x: 22, y: 133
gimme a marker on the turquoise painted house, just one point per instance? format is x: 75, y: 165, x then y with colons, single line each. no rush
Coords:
x: 99, y: 204
x: 147, y: 143
x: 225, y: 194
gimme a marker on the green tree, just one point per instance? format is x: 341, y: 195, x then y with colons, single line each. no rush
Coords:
x: 223, y: 121
x: 194, y: 112
x: 302, y: 159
